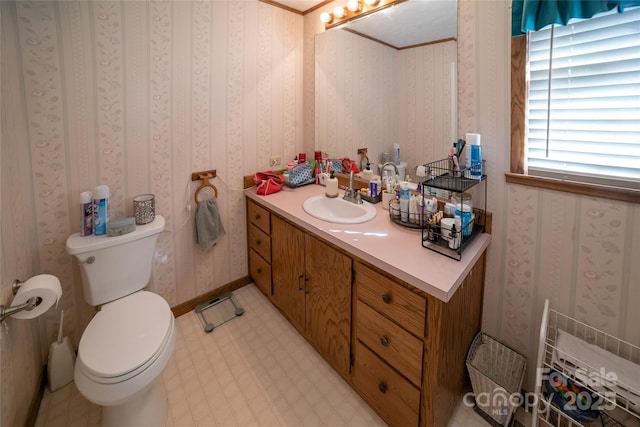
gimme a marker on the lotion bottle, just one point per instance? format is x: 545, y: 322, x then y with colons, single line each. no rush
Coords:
x: 405, y: 197
x: 475, y: 155
x: 367, y: 174
x: 332, y: 186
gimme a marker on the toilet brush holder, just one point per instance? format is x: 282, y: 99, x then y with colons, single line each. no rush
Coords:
x: 61, y: 361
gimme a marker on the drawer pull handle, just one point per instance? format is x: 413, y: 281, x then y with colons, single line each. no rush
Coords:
x: 300, y: 281
x: 382, y: 387
x: 258, y: 242
x: 258, y: 217
x: 384, y: 341
x: 259, y: 270
x: 386, y: 298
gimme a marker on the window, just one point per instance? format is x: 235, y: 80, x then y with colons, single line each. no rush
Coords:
x: 582, y: 107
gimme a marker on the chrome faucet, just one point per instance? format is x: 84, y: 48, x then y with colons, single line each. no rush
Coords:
x: 394, y: 167
x: 350, y: 194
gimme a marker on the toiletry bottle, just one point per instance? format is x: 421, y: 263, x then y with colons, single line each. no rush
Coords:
x: 367, y: 173
x: 405, y: 196
x: 475, y: 156
x: 87, y: 214
x: 100, y: 209
x: 332, y: 186
x: 316, y: 172
x: 396, y: 154
x: 454, y: 238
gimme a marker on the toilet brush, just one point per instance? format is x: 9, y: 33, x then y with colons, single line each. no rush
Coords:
x: 61, y: 360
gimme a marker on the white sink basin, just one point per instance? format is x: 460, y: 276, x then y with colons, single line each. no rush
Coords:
x: 338, y: 210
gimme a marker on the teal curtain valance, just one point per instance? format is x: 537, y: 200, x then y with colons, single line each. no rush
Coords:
x: 532, y: 15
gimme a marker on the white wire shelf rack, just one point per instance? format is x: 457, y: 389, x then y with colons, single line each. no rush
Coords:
x: 605, y: 368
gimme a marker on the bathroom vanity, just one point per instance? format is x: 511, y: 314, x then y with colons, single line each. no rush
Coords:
x: 393, y: 319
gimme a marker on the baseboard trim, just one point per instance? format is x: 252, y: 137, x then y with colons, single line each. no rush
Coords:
x: 187, y: 306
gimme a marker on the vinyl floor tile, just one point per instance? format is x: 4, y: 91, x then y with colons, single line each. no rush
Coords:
x: 255, y: 370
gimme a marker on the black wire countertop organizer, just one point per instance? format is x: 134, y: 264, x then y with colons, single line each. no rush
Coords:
x: 444, y: 175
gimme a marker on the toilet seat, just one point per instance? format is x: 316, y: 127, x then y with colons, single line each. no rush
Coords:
x: 125, y: 337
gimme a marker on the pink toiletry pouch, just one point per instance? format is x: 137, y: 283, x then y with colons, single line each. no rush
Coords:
x: 268, y: 182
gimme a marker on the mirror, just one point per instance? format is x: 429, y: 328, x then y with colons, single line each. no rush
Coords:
x: 390, y: 78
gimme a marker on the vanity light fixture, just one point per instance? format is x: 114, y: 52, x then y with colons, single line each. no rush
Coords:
x: 354, y: 9
x: 354, y: 5
x: 339, y: 12
x: 326, y: 18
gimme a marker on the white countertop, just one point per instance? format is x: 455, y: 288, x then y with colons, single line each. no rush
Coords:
x: 393, y: 248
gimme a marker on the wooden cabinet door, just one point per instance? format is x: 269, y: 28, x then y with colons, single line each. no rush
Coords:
x: 328, y: 288
x: 287, y: 270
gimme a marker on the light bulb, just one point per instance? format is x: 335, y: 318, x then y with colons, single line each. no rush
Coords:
x: 339, y: 12
x: 371, y: 2
x: 354, y: 5
x: 326, y: 17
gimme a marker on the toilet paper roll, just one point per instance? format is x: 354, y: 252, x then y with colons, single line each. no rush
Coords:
x: 45, y: 286
x: 421, y: 171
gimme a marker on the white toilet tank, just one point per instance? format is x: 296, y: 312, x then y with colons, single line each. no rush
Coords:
x: 114, y: 267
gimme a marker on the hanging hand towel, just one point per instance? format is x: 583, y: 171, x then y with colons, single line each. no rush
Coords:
x: 208, y: 224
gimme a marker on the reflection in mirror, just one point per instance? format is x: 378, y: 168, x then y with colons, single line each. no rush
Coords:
x: 369, y: 94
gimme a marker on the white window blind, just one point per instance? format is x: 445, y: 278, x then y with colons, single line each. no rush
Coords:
x: 584, y: 101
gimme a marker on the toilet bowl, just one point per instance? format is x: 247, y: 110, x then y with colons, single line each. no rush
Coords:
x: 129, y: 342
x: 122, y: 353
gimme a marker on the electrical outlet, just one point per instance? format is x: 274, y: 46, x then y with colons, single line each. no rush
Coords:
x: 275, y: 161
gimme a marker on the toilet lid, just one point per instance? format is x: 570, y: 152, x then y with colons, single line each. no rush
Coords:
x: 125, y: 334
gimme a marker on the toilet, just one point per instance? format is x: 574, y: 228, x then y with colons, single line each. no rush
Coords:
x: 129, y: 342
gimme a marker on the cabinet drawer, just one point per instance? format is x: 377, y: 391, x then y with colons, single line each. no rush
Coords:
x: 260, y: 272
x: 259, y: 216
x: 260, y: 242
x: 393, y: 344
x: 391, y: 299
x: 390, y: 395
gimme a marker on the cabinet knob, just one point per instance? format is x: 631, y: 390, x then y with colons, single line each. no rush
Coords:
x: 382, y: 387
x: 258, y: 242
x: 259, y: 270
x: 258, y: 217
x: 386, y: 298
x: 384, y: 341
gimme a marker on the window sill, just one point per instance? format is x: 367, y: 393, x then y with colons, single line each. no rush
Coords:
x: 592, y: 190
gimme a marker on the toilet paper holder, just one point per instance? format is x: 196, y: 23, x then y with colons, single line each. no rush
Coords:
x: 31, y: 303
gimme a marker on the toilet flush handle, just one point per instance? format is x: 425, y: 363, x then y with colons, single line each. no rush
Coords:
x: 89, y: 260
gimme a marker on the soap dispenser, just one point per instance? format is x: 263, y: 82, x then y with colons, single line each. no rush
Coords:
x: 332, y: 186
x: 367, y: 173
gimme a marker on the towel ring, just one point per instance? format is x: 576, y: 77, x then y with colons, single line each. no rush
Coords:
x: 205, y: 184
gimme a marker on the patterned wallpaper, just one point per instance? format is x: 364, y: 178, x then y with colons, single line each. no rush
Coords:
x: 577, y: 251
x: 138, y: 95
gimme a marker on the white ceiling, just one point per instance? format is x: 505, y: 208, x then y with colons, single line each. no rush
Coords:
x: 300, y: 5
x: 409, y: 23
